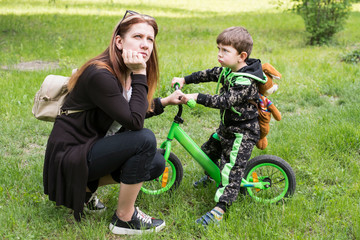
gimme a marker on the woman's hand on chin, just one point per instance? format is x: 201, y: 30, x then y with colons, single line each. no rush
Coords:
x: 134, y: 61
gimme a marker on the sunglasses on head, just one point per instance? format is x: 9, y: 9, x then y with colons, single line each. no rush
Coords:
x: 130, y: 13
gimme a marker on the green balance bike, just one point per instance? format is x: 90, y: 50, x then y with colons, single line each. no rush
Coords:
x: 267, y: 178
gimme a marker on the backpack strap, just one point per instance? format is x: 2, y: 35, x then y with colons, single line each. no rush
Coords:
x: 238, y: 78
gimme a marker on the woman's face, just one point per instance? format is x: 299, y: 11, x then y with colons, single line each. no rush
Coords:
x: 140, y: 38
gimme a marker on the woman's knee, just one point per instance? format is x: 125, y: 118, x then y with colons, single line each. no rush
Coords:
x: 157, y: 166
x: 148, y: 138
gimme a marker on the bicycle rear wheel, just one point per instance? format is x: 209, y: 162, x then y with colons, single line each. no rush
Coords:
x: 169, y: 180
x: 275, y: 172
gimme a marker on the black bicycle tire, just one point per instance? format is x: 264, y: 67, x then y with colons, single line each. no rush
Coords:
x: 178, y: 176
x: 276, y: 161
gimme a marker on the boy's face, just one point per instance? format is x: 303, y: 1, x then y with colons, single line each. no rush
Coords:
x: 229, y: 57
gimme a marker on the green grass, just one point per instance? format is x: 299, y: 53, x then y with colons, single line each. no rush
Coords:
x: 318, y: 135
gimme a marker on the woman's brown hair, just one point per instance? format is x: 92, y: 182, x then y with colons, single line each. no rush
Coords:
x: 112, y: 60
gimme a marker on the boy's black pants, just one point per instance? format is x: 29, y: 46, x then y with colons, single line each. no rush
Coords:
x: 231, y: 154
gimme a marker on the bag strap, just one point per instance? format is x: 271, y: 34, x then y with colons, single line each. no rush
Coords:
x: 67, y: 112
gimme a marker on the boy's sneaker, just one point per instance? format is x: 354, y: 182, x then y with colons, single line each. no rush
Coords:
x: 213, y: 216
x: 94, y: 204
x: 204, y: 181
x: 139, y: 223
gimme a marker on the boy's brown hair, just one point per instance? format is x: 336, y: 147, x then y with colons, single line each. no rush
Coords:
x: 237, y: 37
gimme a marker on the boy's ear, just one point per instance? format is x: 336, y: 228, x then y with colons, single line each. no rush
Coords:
x: 243, y: 56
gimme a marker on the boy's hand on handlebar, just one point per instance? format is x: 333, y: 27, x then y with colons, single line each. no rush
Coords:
x: 191, y: 96
x: 181, y: 81
x: 176, y: 98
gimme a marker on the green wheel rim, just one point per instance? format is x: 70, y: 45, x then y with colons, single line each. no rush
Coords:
x: 274, y: 199
x: 168, y: 186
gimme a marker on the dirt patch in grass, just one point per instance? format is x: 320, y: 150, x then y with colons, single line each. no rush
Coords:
x: 331, y: 99
x: 32, y: 66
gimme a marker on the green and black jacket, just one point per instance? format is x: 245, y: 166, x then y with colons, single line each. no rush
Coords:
x: 236, y: 94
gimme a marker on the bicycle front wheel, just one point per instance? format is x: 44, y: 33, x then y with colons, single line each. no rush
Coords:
x: 275, y: 172
x: 169, y: 180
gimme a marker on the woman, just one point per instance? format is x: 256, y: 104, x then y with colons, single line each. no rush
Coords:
x: 100, y: 139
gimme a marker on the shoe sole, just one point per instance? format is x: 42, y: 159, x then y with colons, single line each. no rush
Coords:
x: 94, y: 211
x: 128, y: 231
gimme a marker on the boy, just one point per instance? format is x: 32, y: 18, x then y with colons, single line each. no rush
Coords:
x: 231, y: 146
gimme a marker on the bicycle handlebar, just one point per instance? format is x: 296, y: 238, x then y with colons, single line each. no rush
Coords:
x: 191, y: 103
x: 177, y: 86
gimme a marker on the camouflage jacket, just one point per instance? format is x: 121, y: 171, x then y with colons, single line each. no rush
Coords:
x: 236, y: 92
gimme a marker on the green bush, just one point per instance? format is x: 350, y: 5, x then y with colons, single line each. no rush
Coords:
x: 323, y: 18
x: 318, y: 135
x: 352, y: 57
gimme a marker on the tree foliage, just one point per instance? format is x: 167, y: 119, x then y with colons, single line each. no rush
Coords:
x: 323, y: 18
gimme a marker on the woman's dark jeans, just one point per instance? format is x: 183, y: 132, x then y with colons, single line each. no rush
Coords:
x: 130, y: 157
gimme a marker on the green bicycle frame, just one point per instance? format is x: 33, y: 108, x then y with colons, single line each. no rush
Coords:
x: 195, y: 151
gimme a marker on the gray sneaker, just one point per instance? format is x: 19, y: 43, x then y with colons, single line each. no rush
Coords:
x: 204, y: 181
x: 94, y: 205
x: 139, y: 223
x: 208, y: 218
